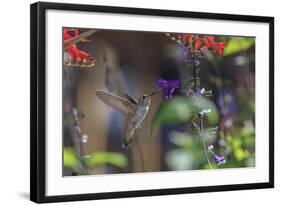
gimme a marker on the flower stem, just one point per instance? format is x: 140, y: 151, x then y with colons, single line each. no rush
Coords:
x: 203, y: 141
x: 82, y: 151
x: 194, y: 72
x: 196, y: 67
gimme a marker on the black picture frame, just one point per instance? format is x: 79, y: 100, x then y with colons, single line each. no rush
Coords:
x: 38, y: 101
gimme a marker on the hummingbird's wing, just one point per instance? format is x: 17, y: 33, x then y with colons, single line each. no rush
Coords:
x: 128, y: 97
x: 116, y: 102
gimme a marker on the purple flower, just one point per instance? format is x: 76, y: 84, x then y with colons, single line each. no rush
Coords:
x: 168, y: 86
x: 219, y: 159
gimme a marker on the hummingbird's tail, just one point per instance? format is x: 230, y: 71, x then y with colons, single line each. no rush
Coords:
x: 128, y: 139
x: 126, y: 144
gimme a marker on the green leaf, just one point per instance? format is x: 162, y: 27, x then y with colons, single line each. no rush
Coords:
x: 70, y: 158
x: 110, y: 158
x: 240, y: 154
x: 238, y: 44
x: 179, y: 110
x: 199, y: 103
x: 173, y: 111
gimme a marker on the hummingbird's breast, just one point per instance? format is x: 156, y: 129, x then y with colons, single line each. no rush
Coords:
x: 139, y: 115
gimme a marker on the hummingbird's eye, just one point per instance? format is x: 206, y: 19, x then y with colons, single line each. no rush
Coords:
x: 144, y: 97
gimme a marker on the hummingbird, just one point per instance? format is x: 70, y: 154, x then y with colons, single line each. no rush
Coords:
x: 134, y: 111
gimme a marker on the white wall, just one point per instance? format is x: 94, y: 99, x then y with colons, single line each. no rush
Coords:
x: 14, y: 103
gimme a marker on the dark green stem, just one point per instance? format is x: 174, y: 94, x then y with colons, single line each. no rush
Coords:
x: 194, y: 73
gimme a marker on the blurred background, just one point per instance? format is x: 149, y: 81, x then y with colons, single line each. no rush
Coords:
x: 132, y: 62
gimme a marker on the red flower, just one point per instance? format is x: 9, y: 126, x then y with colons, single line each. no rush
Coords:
x: 77, y: 57
x: 188, y: 37
x: 200, y: 44
x: 216, y: 46
x: 67, y: 36
x: 219, y: 47
x: 197, y: 42
x: 209, y: 41
x: 73, y: 50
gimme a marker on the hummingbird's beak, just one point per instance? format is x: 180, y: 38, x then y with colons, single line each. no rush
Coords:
x: 155, y: 92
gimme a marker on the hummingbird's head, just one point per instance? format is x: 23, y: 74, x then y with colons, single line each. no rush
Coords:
x: 144, y: 100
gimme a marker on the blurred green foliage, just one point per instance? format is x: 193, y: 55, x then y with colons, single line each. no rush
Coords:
x: 110, y: 158
x: 183, y: 109
x: 238, y: 44
x: 72, y: 160
x: 238, y: 147
x: 173, y: 111
x: 189, y: 149
x: 199, y: 103
x: 232, y: 136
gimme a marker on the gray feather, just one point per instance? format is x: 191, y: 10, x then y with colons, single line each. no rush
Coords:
x: 116, y: 102
x: 128, y: 97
